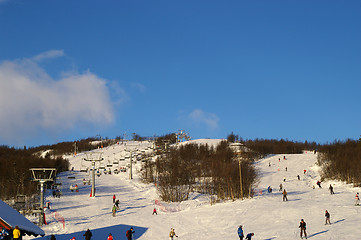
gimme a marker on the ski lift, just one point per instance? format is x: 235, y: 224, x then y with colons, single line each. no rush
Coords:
x: 83, y: 168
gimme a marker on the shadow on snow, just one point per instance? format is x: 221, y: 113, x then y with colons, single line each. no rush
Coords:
x: 118, y: 232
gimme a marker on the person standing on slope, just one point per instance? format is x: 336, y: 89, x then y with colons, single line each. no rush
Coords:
x: 129, y: 234
x: 88, y: 235
x: 284, y: 193
x: 113, y: 198
x: 331, y: 189
x: 172, y: 234
x: 240, y: 232
x: 327, y: 215
x: 303, y: 228
x: 110, y: 237
x: 249, y: 236
x: 357, y: 198
x: 16, y: 233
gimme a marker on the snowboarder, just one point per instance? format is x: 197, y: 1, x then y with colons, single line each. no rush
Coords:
x: 249, y: 236
x: 110, y: 237
x: 331, y: 189
x: 240, y: 232
x: 327, y: 215
x: 113, y: 198
x: 88, y: 235
x: 114, y: 210
x: 172, y: 234
x: 281, y: 187
x: 155, y: 211
x: 303, y: 228
x: 129, y: 234
x: 284, y: 195
x: 319, y: 184
x: 357, y: 198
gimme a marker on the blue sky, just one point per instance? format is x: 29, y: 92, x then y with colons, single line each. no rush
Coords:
x: 261, y: 69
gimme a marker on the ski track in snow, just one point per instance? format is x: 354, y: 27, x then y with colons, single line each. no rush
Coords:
x: 266, y: 214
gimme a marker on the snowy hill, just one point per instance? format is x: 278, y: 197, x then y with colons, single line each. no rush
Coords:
x: 266, y: 214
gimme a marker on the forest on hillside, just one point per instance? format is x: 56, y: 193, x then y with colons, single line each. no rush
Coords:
x: 15, y: 176
x: 192, y: 167
x: 341, y: 160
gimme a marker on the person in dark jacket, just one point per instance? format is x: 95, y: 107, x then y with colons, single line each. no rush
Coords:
x: 88, y: 235
x: 129, y: 234
x: 52, y: 237
x: 331, y: 189
x: 327, y: 215
x: 249, y: 236
x: 303, y: 228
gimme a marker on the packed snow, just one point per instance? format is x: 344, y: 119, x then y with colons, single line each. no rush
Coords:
x: 266, y: 214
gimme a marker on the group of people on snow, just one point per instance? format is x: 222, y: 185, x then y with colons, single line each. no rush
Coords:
x: 241, y: 234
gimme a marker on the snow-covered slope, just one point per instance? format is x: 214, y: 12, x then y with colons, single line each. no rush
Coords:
x: 266, y: 214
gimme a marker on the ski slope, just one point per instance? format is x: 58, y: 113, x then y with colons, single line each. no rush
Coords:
x: 266, y: 214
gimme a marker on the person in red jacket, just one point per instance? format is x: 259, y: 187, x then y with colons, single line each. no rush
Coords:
x: 113, y: 198
x: 110, y: 237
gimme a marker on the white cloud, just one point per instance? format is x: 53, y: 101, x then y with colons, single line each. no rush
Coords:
x: 31, y: 101
x: 198, y: 116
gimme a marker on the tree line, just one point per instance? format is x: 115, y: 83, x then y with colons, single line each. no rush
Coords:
x: 201, y: 168
x: 341, y: 160
x: 15, y: 176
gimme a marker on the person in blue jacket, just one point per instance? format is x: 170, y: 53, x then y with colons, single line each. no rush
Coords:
x: 249, y: 236
x: 240, y: 232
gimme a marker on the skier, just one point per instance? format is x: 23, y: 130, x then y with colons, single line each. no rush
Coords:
x: 304, y: 171
x: 172, y: 234
x: 298, y: 177
x: 357, y: 198
x: 113, y: 198
x: 303, y: 228
x: 129, y: 233
x: 240, y: 232
x: 269, y: 164
x: 281, y: 187
x: 155, y: 211
x: 249, y: 236
x: 331, y: 189
x: 269, y: 189
x: 284, y: 195
x: 110, y: 237
x: 284, y: 179
x: 114, y: 210
x: 319, y: 184
x: 88, y: 235
x: 117, y: 204
x: 286, y: 169
x: 327, y: 215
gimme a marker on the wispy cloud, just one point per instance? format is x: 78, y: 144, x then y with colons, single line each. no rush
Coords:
x: 32, y: 101
x: 48, y: 55
x: 198, y: 117
x: 140, y: 87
